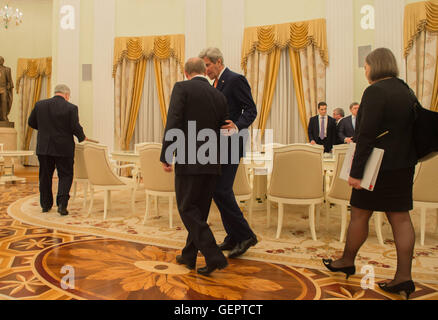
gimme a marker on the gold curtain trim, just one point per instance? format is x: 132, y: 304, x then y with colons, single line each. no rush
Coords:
x: 160, y: 90
x: 295, y: 35
x: 419, y: 16
x: 33, y: 68
x: 161, y: 47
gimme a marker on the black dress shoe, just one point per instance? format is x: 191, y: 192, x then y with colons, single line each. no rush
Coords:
x: 62, y: 211
x: 227, y: 245
x: 205, y: 271
x: 46, y: 209
x: 242, y: 247
x: 181, y: 260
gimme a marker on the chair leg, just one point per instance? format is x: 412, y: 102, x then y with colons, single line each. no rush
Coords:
x: 318, y: 214
x: 312, y: 221
x: 250, y: 204
x: 343, y: 222
x: 422, y: 225
x: 75, y: 186
x: 133, y: 200
x: 156, y: 206
x: 85, y: 193
x: 105, y: 204
x: 91, y: 201
x: 171, y: 212
x: 378, y: 226
x: 327, y: 215
x: 268, y: 215
x: 147, y: 209
x: 280, y: 219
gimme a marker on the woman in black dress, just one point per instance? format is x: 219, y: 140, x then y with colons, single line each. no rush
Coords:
x: 385, y: 121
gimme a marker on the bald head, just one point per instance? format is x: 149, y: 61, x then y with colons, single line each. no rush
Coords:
x: 193, y: 67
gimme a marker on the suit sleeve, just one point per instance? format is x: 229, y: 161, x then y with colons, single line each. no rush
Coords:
x: 175, y: 117
x: 341, y: 129
x: 76, y: 128
x: 310, y: 129
x: 242, y: 93
x: 32, y: 121
x: 371, y: 114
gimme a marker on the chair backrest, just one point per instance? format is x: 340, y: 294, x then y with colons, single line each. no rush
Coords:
x: 297, y: 172
x: 268, y: 149
x: 98, y: 166
x: 80, y: 169
x: 425, y: 183
x: 339, y: 188
x: 241, y: 184
x: 154, y: 177
x: 137, y: 146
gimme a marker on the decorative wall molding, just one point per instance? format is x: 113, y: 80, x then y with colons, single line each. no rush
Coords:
x: 389, y: 29
x: 103, y: 82
x: 233, y: 25
x: 340, y: 42
x: 196, y: 27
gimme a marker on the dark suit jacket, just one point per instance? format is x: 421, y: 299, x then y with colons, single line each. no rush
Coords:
x: 313, y: 131
x: 57, y: 121
x: 345, y: 128
x: 194, y: 100
x: 242, y: 108
x: 386, y: 106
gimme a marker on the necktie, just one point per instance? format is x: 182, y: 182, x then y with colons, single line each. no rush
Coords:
x: 322, y: 131
x: 215, y: 83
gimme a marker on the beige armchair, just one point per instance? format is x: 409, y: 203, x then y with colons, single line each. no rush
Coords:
x: 80, y: 171
x: 297, y: 178
x: 156, y: 182
x: 243, y: 189
x: 425, y: 193
x: 101, y: 176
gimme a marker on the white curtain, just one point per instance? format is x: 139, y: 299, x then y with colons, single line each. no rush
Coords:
x: 284, y: 117
x: 149, y: 126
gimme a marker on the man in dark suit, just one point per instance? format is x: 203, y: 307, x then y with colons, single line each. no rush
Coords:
x: 347, y: 125
x: 243, y: 112
x: 322, y: 128
x: 57, y: 121
x: 338, y: 115
x: 195, y: 106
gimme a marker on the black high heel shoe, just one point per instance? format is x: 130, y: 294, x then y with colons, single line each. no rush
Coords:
x: 347, y: 270
x: 407, y: 287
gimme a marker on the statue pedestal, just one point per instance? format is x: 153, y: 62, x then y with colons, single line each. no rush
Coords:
x: 8, y: 137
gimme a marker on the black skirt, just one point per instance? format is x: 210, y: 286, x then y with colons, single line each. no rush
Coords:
x: 392, y: 192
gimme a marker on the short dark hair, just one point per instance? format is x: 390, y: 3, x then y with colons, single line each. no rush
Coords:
x: 322, y: 103
x: 353, y: 104
x: 382, y: 64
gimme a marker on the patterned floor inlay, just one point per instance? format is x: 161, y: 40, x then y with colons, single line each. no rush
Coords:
x: 45, y: 263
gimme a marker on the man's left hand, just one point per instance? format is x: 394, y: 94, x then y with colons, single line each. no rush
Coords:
x: 167, y: 167
x: 230, y: 128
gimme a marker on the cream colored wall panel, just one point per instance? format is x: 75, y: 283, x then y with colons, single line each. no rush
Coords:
x: 149, y: 17
x: 195, y: 27
x: 340, y: 41
x: 233, y: 24
x: 103, y: 83
x: 389, y: 29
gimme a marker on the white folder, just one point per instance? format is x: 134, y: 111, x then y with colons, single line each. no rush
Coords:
x: 372, y: 167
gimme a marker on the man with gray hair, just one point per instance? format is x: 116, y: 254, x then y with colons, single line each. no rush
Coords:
x: 57, y: 121
x: 195, y: 108
x: 243, y: 112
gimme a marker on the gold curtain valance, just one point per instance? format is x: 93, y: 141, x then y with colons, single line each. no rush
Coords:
x: 419, y: 16
x: 33, y: 68
x: 162, y: 47
x: 296, y: 35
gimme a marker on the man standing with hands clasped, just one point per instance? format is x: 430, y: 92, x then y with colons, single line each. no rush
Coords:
x: 243, y: 112
x: 195, y: 107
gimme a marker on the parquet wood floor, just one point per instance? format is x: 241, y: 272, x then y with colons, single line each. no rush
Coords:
x: 43, y: 264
